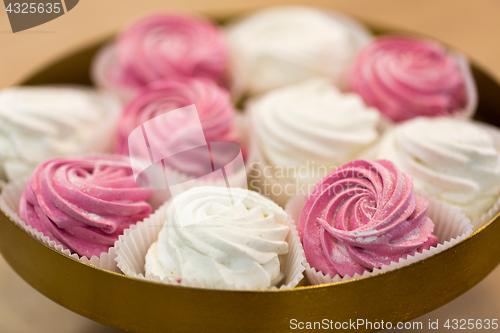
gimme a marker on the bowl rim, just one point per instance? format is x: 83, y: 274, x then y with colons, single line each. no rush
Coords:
x: 375, y: 27
x: 299, y: 287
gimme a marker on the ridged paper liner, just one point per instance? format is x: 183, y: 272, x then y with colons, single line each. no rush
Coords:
x: 450, y: 226
x: 258, y: 171
x: 101, y: 72
x: 9, y: 203
x: 256, y: 164
x: 470, y: 86
x: 484, y: 219
x: 102, y: 139
x: 242, y: 126
x: 133, y: 245
x: 360, y: 35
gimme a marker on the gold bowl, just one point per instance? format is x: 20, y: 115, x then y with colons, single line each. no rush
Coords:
x: 143, y: 306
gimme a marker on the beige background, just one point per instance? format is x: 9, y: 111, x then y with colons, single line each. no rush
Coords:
x: 471, y: 26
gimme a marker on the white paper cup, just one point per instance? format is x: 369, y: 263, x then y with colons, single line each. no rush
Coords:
x: 484, y: 219
x: 262, y: 180
x: 359, y: 35
x: 470, y: 86
x: 450, y: 226
x: 101, y: 72
x: 133, y: 245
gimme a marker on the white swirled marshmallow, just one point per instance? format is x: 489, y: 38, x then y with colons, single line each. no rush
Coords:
x: 285, y: 45
x: 221, y: 244
x: 39, y: 123
x: 312, y: 124
x: 456, y: 161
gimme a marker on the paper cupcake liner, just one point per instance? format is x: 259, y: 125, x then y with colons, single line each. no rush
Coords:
x: 260, y: 181
x: 258, y: 169
x: 241, y: 124
x: 484, y: 219
x: 361, y: 35
x: 101, y: 73
x: 477, y: 222
x: 9, y: 203
x: 103, y: 137
x: 470, y: 85
x: 487, y: 217
x: 450, y: 226
x: 133, y: 245
x: 358, y: 34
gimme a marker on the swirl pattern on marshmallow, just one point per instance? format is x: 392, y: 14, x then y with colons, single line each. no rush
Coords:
x: 405, y: 77
x: 286, y: 45
x: 38, y: 123
x: 222, y: 244
x: 361, y: 216
x: 454, y: 160
x: 215, y: 111
x: 162, y: 46
x: 84, y: 203
x: 312, y: 122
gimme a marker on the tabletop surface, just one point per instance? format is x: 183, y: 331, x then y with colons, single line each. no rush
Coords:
x: 470, y: 26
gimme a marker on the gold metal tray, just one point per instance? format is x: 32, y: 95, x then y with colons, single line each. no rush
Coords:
x: 142, y: 306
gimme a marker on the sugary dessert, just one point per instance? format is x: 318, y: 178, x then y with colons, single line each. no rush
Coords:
x: 280, y: 46
x: 162, y: 46
x: 206, y: 237
x: 406, y: 77
x: 314, y: 126
x: 38, y: 123
x: 296, y: 65
x: 84, y: 203
x: 362, y: 216
x: 215, y: 111
x: 456, y: 161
